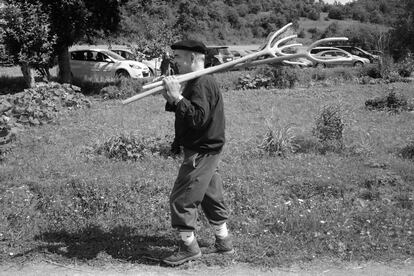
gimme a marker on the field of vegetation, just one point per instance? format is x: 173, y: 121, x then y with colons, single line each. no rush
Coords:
x: 310, y: 172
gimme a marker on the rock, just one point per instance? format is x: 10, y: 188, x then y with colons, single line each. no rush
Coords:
x: 76, y: 88
x: 4, y: 106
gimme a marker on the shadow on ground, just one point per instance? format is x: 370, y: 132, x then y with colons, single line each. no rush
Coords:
x: 93, y: 243
x: 11, y: 85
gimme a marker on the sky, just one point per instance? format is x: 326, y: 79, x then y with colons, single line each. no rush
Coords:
x: 341, y: 1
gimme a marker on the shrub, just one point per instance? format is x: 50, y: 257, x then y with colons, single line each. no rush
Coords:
x: 407, y: 152
x: 392, y: 102
x: 228, y: 80
x: 319, y: 74
x: 406, y: 66
x: 123, y: 88
x: 269, y: 77
x: 371, y: 70
x: 129, y: 147
x: 388, y: 69
x: 313, y: 30
x: 329, y: 127
x: 301, y: 34
x: 110, y: 88
x: 253, y: 82
x: 344, y: 73
x: 283, y: 76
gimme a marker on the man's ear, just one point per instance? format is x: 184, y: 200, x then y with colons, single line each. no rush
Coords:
x: 193, y: 57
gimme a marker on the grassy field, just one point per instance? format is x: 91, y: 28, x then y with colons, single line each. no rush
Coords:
x: 61, y: 200
x: 306, y: 24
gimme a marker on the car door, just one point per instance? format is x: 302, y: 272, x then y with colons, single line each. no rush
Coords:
x: 105, y: 66
x: 89, y: 65
x: 77, y: 63
x: 96, y: 65
x: 347, y: 59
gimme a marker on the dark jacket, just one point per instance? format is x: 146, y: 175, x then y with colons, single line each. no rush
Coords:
x: 199, y: 116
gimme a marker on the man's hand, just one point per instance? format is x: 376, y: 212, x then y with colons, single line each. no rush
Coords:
x: 172, y: 89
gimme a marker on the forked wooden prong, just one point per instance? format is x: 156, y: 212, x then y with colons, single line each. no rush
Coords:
x: 271, y: 47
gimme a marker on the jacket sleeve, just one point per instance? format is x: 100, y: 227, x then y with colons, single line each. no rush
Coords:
x: 195, y: 111
x: 170, y: 107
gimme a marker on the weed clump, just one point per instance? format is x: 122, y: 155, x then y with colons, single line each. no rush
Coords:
x: 407, y: 152
x: 121, y: 89
x: 41, y: 104
x: 406, y: 66
x: 128, y: 147
x: 278, y: 141
x: 329, y: 128
x: 269, y: 77
x: 393, y: 102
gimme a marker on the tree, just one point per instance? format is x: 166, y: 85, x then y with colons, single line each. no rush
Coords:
x: 364, y: 35
x: 72, y: 20
x: 403, y: 34
x: 147, y: 27
x: 336, y: 12
x: 332, y: 30
x: 28, y: 37
x: 192, y: 18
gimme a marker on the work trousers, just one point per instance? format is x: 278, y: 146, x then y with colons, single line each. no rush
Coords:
x: 198, y: 182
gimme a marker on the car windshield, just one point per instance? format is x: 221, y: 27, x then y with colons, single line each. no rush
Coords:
x: 224, y: 51
x: 112, y: 55
x: 363, y: 51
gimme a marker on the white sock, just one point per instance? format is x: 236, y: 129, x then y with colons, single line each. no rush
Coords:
x: 187, y: 237
x: 221, y: 230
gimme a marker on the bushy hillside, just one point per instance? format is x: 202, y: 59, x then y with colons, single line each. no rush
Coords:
x: 373, y: 11
x: 212, y: 21
x: 153, y: 23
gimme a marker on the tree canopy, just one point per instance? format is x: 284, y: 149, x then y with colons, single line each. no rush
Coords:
x: 28, y: 37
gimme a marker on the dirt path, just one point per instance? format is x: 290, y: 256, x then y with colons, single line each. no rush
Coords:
x: 49, y: 268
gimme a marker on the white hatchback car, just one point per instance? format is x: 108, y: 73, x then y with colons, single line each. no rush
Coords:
x: 101, y: 64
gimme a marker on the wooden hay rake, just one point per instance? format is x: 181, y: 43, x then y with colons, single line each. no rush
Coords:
x: 273, y: 47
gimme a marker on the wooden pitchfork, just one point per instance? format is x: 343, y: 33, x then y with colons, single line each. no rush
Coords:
x: 270, y: 48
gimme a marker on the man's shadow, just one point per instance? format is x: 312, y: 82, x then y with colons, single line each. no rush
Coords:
x: 120, y: 243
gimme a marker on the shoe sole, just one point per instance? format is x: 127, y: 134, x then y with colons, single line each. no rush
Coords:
x: 215, y: 251
x: 226, y: 252
x: 198, y: 255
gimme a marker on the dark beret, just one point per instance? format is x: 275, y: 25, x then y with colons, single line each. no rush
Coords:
x: 190, y: 45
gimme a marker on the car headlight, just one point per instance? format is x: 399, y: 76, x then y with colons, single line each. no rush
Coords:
x: 135, y: 66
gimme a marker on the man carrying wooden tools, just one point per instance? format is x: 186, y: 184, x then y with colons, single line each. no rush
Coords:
x: 199, y: 129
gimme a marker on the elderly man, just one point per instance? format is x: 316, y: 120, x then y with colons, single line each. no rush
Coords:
x: 199, y: 129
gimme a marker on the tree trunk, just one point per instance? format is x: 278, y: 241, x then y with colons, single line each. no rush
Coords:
x: 44, y: 72
x: 65, y: 75
x: 28, y: 75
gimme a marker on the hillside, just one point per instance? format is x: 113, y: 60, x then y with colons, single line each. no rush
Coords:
x: 310, y: 30
x: 228, y: 22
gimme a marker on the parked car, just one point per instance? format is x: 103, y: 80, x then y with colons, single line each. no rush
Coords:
x: 241, y: 53
x: 300, y: 62
x: 328, y: 53
x: 101, y: 63
x: 360, y: 52
x: 321, y: 49
x: 126, y: 54
x: 153, y: 64
x: 217, y: 55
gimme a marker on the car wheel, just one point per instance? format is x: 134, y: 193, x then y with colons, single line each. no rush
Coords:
x: 122, y: 74
x: 358, y: 64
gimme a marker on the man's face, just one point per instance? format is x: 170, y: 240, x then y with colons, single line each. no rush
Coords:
x: 183, y: 60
